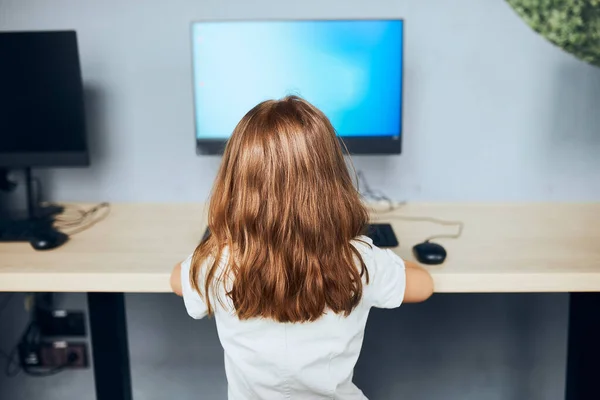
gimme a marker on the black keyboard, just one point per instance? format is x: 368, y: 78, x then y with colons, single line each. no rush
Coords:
x: 21, y: 230
x: 382, y: 235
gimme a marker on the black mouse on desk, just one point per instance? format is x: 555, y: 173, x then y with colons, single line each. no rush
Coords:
x: 48, y: 240
x: 429, y: 253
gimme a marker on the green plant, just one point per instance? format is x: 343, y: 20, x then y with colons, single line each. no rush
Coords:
x: 573, y: 25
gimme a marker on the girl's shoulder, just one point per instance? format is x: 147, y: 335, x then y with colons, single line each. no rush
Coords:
x: 364, y: 245
x: 386, y: 274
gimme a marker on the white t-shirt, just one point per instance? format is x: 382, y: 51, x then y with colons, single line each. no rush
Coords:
x: 269, y: 360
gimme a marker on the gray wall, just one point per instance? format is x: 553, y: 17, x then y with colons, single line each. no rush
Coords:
x: 453, y: 347
x: 492, y: 112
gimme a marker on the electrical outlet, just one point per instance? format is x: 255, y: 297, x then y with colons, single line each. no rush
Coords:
x: 61, y: 322
x: 63, y: 354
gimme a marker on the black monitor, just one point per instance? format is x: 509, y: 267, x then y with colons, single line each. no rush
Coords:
x: 42, y: 121
x: 350, y: 69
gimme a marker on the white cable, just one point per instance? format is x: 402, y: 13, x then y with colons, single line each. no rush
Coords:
x: 460, y: 225
x: 376, y: 195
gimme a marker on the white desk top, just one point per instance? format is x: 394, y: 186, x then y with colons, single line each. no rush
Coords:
x: 504, y: 248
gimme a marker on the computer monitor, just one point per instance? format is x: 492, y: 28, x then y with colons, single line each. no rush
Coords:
x: 42, y: 121
x: 350, y: 69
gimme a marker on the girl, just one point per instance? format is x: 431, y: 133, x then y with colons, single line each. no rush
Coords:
x: 286, y: 270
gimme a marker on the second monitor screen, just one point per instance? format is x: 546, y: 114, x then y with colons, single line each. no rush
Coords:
x: 351, y: 70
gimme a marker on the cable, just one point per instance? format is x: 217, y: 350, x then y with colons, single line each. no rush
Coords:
x: 459, y: 224
x: 10, y: 371
x: 41, y: 373
x: 6, y: 301
x: 10, y: 357
x: 3, y: 306
x: 6, y: 184
x: 4, y: 354
x: 76, y: 219
x: 30, y: 341
x: 376, y: 195
x: 13, y: 366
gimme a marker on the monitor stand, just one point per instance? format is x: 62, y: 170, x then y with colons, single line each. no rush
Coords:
x: 33, y: 211
x: 16, y: 226
x: 382, y: 235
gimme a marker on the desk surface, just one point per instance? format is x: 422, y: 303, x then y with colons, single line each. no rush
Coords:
x: 504, y: 248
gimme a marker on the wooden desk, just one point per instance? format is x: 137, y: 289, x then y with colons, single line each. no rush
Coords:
x: 504, y: 248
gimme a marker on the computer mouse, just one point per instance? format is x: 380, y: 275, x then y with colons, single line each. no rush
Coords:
x: 48, y: 240
x: 429, y: 253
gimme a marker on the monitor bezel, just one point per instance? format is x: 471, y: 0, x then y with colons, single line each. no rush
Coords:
x: 365, y: 145
x: 72, y: 158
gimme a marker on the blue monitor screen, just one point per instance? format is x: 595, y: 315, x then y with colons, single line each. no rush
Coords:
x: 350, y: 69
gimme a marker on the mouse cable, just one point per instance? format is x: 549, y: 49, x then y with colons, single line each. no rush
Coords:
x: 375, y: 195
x: 460, y: 225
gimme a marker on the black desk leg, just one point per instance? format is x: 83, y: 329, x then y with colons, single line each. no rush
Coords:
x: 110, y: 349
x: 583, y: 357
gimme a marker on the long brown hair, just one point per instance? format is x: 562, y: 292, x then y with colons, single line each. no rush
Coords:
x: 285, y: 207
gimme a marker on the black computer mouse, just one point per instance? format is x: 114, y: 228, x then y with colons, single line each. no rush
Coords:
x: 48, y: 240
x: 429, y: 253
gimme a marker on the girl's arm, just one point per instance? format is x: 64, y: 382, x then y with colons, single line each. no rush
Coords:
x: 182, y: 286
x: 419, y: 285
x: 176, y: 280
